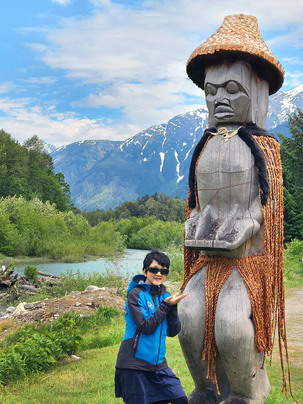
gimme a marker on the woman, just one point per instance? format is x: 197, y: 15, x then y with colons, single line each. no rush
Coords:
x: 142, y: 374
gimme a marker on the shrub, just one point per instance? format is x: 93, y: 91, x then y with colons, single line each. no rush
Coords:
x: 158, y: 234
x: 176, y: 263
x: 31, y: 273
x: 34, y: 228
x: 34, y: 348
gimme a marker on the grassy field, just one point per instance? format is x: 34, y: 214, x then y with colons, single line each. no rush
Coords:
x: 91, y: 380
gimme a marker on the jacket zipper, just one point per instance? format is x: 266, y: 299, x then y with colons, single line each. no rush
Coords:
x: 137, y: 334
x: 160, y: 335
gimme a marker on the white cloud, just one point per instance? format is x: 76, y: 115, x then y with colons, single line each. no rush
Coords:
x: 295, y: 60
x: 24, y: 120
x: 293, y: 71
x: 135, y: 56
x: 41, y: 80
x: 293, y: 78
x: 6, y: 87
x: 122, y: 43
x: 62, y: 2
x: 292, y: 37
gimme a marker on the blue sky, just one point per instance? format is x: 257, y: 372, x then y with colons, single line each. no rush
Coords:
x: 106, y: 69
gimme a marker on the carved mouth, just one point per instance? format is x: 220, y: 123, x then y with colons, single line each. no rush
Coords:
x: 223, y: 111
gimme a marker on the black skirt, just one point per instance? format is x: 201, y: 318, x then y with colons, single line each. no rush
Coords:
x: 138, y: 386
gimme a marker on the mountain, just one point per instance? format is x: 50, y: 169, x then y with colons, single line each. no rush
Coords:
x: 103, y: 174
x: 49, y: 148
x: 154, y: 160
x: 77, y: 158
x: 281, y: 105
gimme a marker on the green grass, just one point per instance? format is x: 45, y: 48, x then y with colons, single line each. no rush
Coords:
x: 275, y: 379
x: 293, y: 266
x: 91, y: 380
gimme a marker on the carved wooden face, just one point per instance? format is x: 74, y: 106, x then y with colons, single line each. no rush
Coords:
x: 234, y: 95
x: 227, y: 94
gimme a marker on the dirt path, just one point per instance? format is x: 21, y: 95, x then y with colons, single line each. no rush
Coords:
x: 294, y: 325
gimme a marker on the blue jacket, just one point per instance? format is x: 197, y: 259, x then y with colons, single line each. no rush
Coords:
x: 149, y: 320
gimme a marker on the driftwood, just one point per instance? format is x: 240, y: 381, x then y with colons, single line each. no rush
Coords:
x: 7, y: 280
x: 48, y: 275
x: 6, y: 271
x: 28, y: 287
x: 12, y: 286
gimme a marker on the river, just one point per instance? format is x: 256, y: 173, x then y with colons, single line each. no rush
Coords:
x: 129, y: 264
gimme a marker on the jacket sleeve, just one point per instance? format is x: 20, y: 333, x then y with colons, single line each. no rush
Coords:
x: 145, y: 323
x: 173, y: 322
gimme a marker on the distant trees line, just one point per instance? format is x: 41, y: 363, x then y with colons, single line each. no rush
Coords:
x: 37, y: 229
x: 161, y: 207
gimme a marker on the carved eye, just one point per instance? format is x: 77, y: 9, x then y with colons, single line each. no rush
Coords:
x: 232, y: 87
x: 210, y: 89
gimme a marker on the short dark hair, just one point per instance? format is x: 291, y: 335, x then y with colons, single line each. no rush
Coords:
x: 158, y: 256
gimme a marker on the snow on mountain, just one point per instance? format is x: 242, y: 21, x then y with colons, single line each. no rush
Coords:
x: 281, y: 105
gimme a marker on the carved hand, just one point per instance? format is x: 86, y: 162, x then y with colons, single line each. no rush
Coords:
x: 175, y: 298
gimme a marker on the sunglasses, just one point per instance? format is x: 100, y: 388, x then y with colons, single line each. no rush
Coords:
x: 155, y: 270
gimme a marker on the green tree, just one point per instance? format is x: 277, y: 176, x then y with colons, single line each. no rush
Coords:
x: 8, y: 233
x: 292, y: 161
x: 13, y: 167
x: 44, y: 183
x: 29, y: 172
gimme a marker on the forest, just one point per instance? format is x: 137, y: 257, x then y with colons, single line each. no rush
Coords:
x: 38, y: 218
x: 292, y: 162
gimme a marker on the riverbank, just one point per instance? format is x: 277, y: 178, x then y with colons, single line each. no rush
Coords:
x: 125, y: 263
x: 68, y: 259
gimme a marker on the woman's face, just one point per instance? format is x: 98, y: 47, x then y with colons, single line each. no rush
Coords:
x: 155, y: 279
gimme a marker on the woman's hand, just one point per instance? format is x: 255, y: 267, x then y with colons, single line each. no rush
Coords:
x: 175, y: 298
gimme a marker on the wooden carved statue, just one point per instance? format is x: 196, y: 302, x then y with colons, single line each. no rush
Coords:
x: 233, y: 249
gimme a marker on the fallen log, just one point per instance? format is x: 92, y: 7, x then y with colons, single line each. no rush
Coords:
x: 48, y: 275
x: 28, y: 287
x: 7, y: 282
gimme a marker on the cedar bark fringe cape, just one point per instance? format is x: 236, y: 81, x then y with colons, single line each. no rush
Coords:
x: 262, y: 273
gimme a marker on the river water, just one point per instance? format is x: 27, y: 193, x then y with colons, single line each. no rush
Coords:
x: 129, y: 264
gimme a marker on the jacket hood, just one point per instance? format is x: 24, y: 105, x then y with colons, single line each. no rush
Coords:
x: 139, y: 281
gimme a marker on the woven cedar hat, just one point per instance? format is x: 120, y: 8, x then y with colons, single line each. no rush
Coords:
x: 238, y: 38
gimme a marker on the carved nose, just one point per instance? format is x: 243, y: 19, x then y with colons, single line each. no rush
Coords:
x: 222, y: 97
